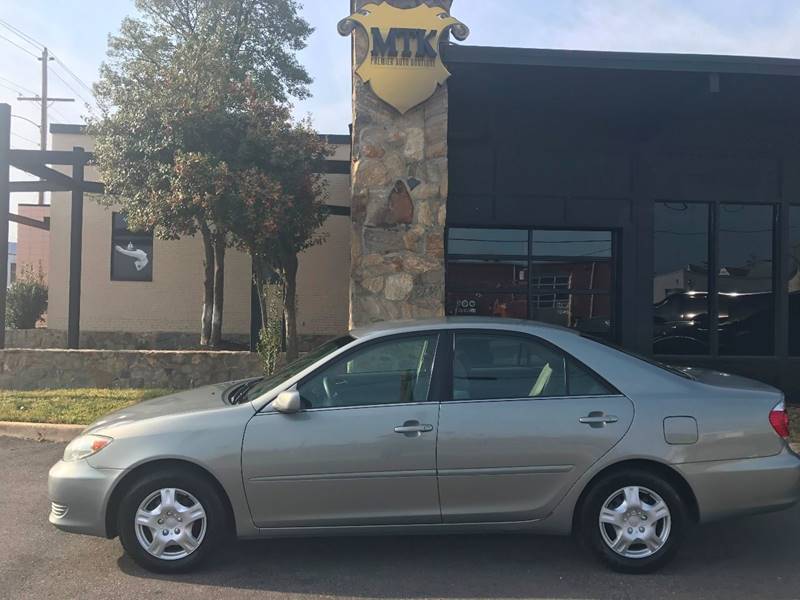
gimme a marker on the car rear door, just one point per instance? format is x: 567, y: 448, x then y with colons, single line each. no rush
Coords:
x: 361, y: 452
x: 523, y: 421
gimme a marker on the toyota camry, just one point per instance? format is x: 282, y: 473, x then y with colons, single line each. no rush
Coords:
x: 444, y: 426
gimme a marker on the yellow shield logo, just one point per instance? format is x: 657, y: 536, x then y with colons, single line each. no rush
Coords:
x: 403, y: 64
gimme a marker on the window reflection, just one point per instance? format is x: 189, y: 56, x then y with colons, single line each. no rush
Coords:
x: 745, y: 279
x: 680, y: 280
x: 487, y: 304
x: 588, y: 313
x: 567, y: 279
x: 589, y: 244
x: 488, y: 274
x: 495, y: 242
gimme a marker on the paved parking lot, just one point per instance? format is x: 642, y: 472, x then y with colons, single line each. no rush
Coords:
x: 752, y: 558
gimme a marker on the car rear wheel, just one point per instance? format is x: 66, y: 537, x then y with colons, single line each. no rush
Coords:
x: 633, y: 521
x: 170, y: 521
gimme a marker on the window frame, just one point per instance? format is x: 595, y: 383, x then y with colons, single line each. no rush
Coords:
x: 449, y: 346
x: 434, y: 390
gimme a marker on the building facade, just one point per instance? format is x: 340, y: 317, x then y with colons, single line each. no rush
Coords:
x: 648, y: 200
x: 137, y: 287
x: 33, y: 244
x: 11, y: 276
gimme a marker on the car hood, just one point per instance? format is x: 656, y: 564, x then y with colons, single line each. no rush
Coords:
x: 210, y: 397
x: 726, y: 380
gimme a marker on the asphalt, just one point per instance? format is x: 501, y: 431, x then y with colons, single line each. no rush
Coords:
x: 757, y: 557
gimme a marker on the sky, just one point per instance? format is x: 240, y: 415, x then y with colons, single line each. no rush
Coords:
x: 76, y: 32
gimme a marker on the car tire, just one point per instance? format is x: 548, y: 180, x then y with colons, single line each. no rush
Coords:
x: 160, y: 511
x: 631, y: 538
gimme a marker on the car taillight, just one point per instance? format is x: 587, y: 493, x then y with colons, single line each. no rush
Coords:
x: 779, y: 419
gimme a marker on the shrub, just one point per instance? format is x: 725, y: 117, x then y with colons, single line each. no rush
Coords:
x: 26, y: 300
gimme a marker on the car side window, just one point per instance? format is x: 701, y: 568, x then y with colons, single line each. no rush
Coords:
x: 496, y: 365
x: 388, y: 372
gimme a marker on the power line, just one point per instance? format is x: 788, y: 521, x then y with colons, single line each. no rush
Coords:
x: 9, y: 88
x: 27, y: 139
x: 72, y: 89
x: 21, y: 88
x: 75, y: 77
x: 13, y: 43
x: 22, y: 34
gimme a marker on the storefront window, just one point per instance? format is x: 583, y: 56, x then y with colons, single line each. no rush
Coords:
x: 794, y: 280
x: 566, y: 279
x: 680, y: 281
x: 745, y: 279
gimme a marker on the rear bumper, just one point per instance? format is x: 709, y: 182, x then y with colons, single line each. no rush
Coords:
x: 79, y: 495
x: 748, y: 486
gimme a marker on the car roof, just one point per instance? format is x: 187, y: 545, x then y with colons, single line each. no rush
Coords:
x: 389, y: 327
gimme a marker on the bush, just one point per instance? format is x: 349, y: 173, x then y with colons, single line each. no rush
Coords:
x: 26, y: 300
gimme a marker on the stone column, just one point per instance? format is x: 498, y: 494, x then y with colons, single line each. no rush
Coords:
x: 399, y: 195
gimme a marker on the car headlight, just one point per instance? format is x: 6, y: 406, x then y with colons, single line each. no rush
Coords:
x: 84, y: 446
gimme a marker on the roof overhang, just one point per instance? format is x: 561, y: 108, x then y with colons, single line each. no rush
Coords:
x: 642, y: 61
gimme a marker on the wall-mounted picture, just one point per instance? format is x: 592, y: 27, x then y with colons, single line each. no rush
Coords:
x: 131, y: 252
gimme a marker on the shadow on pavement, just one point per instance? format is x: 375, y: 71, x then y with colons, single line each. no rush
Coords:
x: 726, y: 560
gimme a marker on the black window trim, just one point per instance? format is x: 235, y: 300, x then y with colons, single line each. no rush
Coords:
x: 448, y: 372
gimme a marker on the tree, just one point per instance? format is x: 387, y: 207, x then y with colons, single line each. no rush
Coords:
x: 172, y: 98
x: 281, y: 197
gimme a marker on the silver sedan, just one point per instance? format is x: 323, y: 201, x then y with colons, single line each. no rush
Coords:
x: 452, y: 425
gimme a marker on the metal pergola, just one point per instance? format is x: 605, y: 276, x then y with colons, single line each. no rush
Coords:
x: 40, y: 163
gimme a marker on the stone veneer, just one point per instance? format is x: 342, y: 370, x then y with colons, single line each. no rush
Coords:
x: 399, y: 194
x: 41, y: 369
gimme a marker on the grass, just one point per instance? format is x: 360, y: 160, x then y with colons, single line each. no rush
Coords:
x: 70, y: 406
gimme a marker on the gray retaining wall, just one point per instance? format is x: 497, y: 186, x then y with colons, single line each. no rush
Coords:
x: 25, y: 369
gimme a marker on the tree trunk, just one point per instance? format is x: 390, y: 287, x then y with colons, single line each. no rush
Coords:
x: 208, y: 285
x: 261, y: 291
x: 219, y: 293
x: 290, y: 305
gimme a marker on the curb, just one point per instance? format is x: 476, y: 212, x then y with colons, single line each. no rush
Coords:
x: 41, y: 432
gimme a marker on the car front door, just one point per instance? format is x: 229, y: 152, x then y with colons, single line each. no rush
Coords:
x: 362, y: 451
x: 524, y: 422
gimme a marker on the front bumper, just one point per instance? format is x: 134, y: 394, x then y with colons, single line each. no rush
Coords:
x: 79, y: 496
x: 730, y: 488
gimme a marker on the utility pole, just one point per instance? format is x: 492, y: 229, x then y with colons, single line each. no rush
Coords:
x: 44, y: 100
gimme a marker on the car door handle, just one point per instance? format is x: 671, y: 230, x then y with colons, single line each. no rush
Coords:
x: 413, y: 428
x: 596, y: 419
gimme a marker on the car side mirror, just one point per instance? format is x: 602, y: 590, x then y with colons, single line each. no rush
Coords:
x: 288, y: 402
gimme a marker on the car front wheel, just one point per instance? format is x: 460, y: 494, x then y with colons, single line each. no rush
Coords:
x: 633, y: 520
x: 170, y: 521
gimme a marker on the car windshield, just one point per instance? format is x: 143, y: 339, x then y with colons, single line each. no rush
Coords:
x: 264, y: 385
x: 674, y: 370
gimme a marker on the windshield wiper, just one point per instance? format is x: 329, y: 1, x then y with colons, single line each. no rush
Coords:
x: 240, y: 393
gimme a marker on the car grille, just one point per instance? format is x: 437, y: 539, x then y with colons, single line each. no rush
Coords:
x: 58, y: 510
